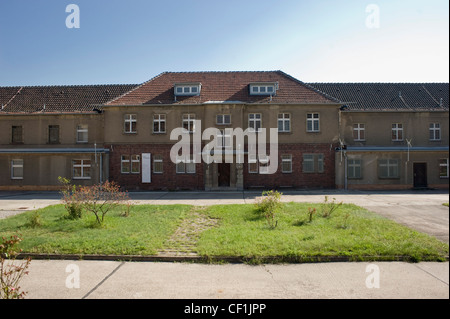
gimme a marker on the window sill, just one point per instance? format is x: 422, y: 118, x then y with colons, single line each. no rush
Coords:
x: 81, y: 178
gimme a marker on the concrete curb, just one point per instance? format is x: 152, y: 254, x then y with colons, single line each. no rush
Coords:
x: 225, y: 259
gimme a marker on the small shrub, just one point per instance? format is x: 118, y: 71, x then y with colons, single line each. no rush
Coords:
x: 34, y: 219
x: 69, y: 198
x: 269, y: 206
x: 329, y: 207
x: 344, y: 223
x: 11, y: 272
x: 311, y: 213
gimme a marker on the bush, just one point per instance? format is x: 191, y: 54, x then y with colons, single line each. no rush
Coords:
x: 329, y: 207
x: 11, y: 272
x: 69, y: 198
x: 34, y: 219
x: 269, y: 206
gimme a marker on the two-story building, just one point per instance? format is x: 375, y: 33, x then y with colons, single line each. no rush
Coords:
x: 344, y: 135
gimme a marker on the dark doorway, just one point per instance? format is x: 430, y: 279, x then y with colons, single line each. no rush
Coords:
x: 224, y: 174
x: 420, y: 174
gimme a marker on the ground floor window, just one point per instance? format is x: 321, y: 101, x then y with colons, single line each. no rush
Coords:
x: 157, y: 164
x: 443, y: 168
x: 388, y: 168
x: 17, y: 169
x: 354, y: 168
x: 130, y: 164
x: 286, y: 163
x: 81, y: 169
x: 185, y: 165
x: 313, y: 163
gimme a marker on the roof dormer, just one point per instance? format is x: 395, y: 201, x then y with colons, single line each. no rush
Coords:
x: 263, y: 88
x: 187, y: 89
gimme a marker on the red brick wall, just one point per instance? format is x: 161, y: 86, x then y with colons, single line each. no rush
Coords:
x: 169, y: 180
x: 297, y: 179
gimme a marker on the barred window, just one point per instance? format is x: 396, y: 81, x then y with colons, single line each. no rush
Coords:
x: 157, y: 164
x: 17, y: 135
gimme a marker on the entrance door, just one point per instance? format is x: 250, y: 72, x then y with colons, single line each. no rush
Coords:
x: 224, y: 174
x: 420, y: 174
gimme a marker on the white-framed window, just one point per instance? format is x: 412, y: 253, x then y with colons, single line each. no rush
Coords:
x: 17, y: 169
x: 82, y: 133
x: 125, y: 167
x: 185, y: 165
x: 188, y: 89
x: 359, y: 132
x: 308, y: 163
x: 313, y: 163
x: 130, y: 123
x: 443, y: 168
x: 159, y: 123
x: 397, y: 132
x: 388, y: 168
x: 284, y: 122
x: 354, y: 168
x: 435, y: 131
x: 226, y: 137
x: 263, y: 88
x: 189, y: 122
x: 135, y: 164
x: 254, y: 122
x: 252, y: 164
x: 157, y: 164
x: 286, y: 163
x: 81, y: 169
x: 312, y: 122
x: 223, y: 119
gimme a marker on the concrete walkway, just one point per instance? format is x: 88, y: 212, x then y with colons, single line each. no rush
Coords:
x: 136, y: 280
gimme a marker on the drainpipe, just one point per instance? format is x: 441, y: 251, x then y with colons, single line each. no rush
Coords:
x: 101, y: 168
x: 345, y: 171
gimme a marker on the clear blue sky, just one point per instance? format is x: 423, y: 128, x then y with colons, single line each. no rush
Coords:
x: 313, y: 40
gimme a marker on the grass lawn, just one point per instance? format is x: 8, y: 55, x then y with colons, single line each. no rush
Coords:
x: 350, y: 231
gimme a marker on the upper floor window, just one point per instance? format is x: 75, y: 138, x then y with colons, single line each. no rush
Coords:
x: 397, y: 132
x: 159, y: 123
x: 82, y: 133
x: 312, y: 122
x: 187, y: 89
x: 53, y: 134
x: 189, y: 122
x: 17, y: 135
x: 359, y: 132
x: 263, y: 88
x: 223, y: 119
x: 130, y: 123
x: 254, y: 122
x: 435, y: 132
x: 284, y: 122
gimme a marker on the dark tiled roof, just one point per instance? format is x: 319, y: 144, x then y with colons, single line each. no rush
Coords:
x: 389, y: 96
x: 221, y: 86
x: 79, y: 98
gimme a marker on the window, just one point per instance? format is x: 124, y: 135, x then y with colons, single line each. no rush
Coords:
x: 435, y: 132
x: 53, y: 134
x: 17, y: 136
x: 286, y: 163
x: 359, y: 132
x: 388, y: 168
x: 125, y: 164
x: 81, y: 169
x: 397, y: 132
x: 135, y: 164
x: 223, y: 119
x: 185, y: 165
x: 312, y: 122
x: 252, y: 164
x: 130, y: 123
x: 159, y: 123
x: 443, y: 168
x: 226, y: 137
x: 130, y: 164
x: 187, y: 89
x: 254, y: 122
x: 157, y: 164
x: 263, y: 88
x: 82, y: 134
x: 189, y: 122
x: 354, y: 168
x: 308, y: 163
x: 17, y: 169
x: 313, y: 163
x: 284, y: 122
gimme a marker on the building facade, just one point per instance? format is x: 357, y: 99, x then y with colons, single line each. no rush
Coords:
x: 329, y: 135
